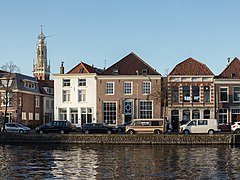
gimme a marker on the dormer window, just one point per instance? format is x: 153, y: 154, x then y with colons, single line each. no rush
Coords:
x: 115, y: 71
x: 81, y: 70
x: 144, y: 71
x: 29, y: 84
x: 234, y: 75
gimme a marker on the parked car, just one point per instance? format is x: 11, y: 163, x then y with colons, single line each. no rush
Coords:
x: 209, y: 126
x: 236, y: 127
x: 15, y: 128
x: 155, y: 126
x: 97, y: 128
x: 122, y: 127
x: 60, y: 126
x: 225, y: 127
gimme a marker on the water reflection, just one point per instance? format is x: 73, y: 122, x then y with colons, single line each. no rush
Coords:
x: 31, y: 161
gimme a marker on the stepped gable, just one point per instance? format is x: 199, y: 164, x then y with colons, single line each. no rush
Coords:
x: 232, y: 71
x: 191, y: 67
x: 130, y: 65
x: 84, y: 68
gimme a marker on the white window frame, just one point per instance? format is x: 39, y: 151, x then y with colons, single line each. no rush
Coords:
x: 24, y: 116
x: 82, y: 95
x: 106, y: 114
x: 82, y: 82
x: 220, y: 94
x: 127, y: 88
x: 37, y: 117
x: 30, y: 116
x: 234, y: 94
x: 109, y: 88
x: 66, y: 82
x: 145, y: 110
x: 146, y: 87
x: 66, y: 95
x: 37, y: 101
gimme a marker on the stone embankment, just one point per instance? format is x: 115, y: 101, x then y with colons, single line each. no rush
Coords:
x: 121, y: 138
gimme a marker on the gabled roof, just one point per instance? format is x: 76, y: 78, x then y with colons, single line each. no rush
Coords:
x: 45, y: 83
x: 130, y: 65
x: 84, y: 68
x: 191, y: 66
x: 232, y: 70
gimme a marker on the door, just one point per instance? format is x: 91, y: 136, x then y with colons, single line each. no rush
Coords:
x: 175, y: 120
x: 128, y: 110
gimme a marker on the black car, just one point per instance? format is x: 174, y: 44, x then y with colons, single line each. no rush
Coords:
x: 122, y: 127
x: 97, y: 128
x: 60, y: 126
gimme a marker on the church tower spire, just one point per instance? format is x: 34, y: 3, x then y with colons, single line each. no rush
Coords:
x: 41, y: 70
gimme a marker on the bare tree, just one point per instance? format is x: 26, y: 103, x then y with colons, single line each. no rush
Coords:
x: 160, y: 93
x: 7, y: 82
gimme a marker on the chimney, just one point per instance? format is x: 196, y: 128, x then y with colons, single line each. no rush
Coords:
x: 62, y: 68
x: 228, y: 60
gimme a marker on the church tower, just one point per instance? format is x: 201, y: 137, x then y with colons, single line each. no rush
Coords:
x: 41, y: 70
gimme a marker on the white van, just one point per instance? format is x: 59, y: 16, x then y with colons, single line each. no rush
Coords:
x: 209, y: 126
x: 155, y: 126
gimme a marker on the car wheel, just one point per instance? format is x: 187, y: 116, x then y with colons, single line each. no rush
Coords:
x: 186, y: 132
x: 21, y: 131
x: 62, y: 131
x: 109, y: 132
x: 157, y: 132
x: 130, y: 132
x: 41, y: 131
x: 86, y: 131
x: 237, y: 131
x: 211, y: 131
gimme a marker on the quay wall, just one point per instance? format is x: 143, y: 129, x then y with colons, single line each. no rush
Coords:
x: 122, y: 138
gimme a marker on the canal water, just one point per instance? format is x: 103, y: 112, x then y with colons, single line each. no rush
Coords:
x: 54, y: 161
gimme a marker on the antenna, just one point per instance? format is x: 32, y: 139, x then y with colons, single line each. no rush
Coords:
x: 105, y: 63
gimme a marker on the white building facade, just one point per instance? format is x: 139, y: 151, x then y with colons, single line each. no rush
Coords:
x: 75, y: 95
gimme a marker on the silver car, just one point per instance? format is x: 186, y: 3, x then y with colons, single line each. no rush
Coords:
x: 16, y: 128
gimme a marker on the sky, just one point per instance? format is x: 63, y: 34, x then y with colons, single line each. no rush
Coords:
x: 101, y: 32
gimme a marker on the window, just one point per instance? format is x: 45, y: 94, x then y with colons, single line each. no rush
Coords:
x: 146, y: 87
x: 195, y: 114
x: 109, y: 88
x: 24, y: 116
x: 202, y: 122
x: 195, y: 94
x: 37, y: 101
x: 66, y: 95
x: 206, y: 114
x: 47, y: 104
x: 52, y: 104
x: 81, y: 95
x: 36, y: 116
x: 30, y: 85
x: 6, y: 100
x: 115, y: 71
x: 206, y: 93
x: 175, y: 94
x: 110, y: 112
x: 82, y: 82
x: 30, y: 116
x: 186, y: 93
x: 20, y: 101
x: 66, y: 82
x: 223, y: 94
x: 222, y: 116
x: 128, y: 88
x: 86, y: 115
x: 62, y: 114
x: 186, y: 115
x: 236, y: 94
x: 145, y: 109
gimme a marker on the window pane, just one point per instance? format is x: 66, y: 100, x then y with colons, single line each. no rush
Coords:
x: 186, y: 93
